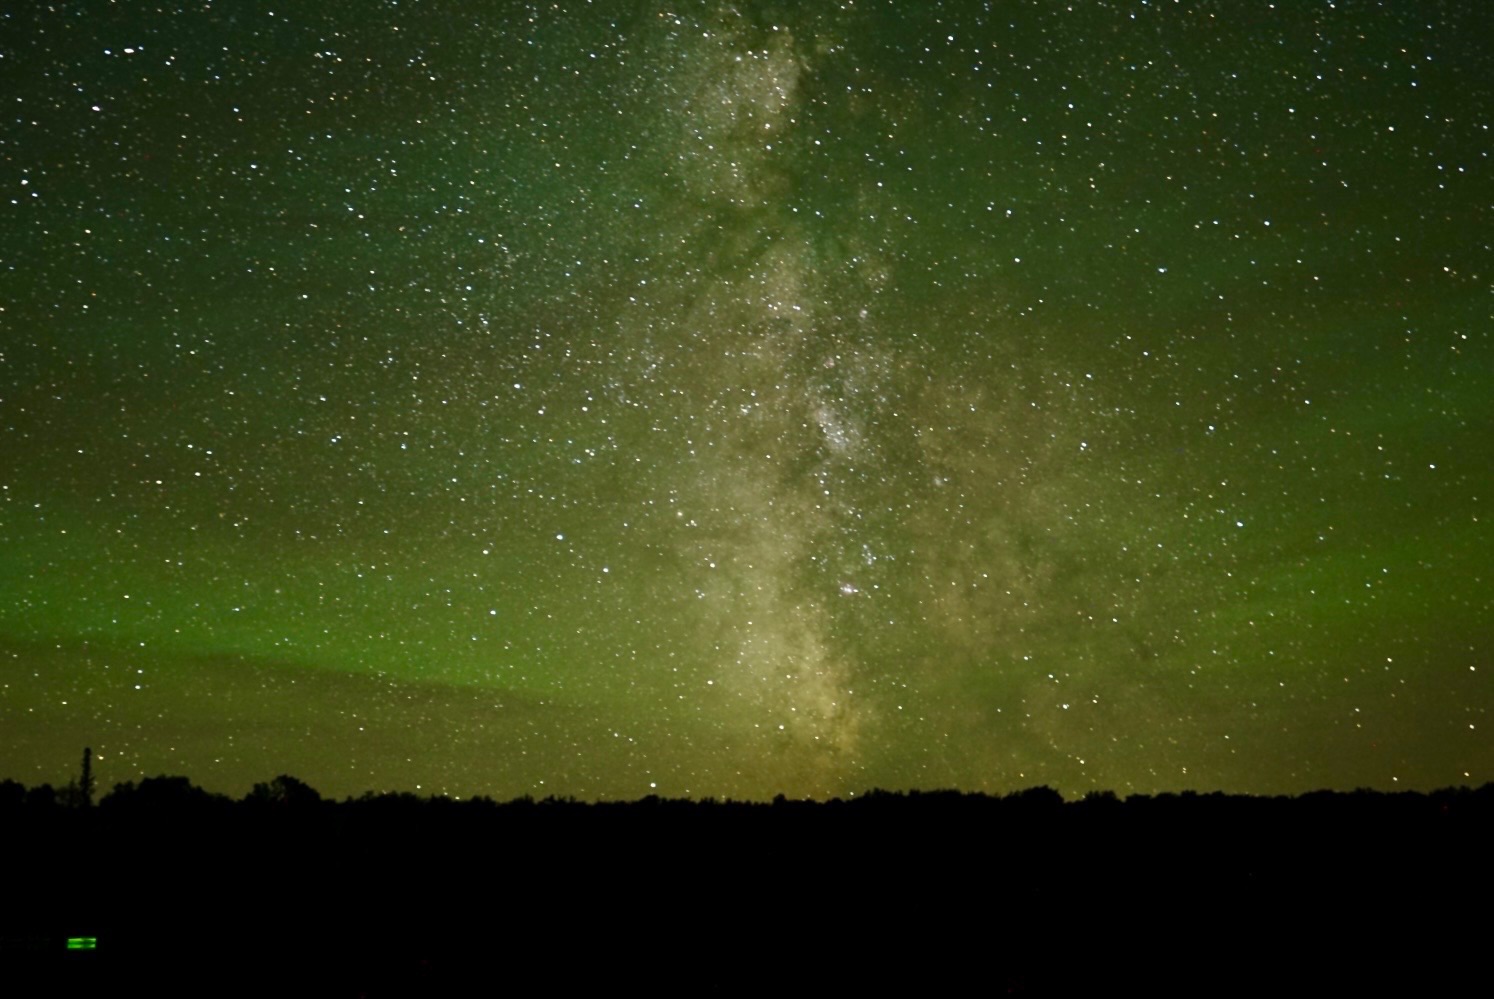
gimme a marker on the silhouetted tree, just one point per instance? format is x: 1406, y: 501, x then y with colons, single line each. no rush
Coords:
x: 1036, y: 800
x: 284, y: 791
x: 1101, y: 803
x: 41, y: 797
x: 12, y: 795
x: 78, y: 792
x: 85, y: 782
x: 160, y: 794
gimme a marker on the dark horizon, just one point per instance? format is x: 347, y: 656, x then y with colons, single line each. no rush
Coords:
x: 178, y: 790
x: 1021, y: 895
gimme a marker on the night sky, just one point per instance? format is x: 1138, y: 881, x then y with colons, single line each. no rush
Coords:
x: 697, y: 399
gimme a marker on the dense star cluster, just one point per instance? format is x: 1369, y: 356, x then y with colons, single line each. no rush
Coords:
x: 605, y: 399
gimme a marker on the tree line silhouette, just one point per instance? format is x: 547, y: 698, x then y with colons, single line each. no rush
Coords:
x: 397, y: 893
x: 288, y: 794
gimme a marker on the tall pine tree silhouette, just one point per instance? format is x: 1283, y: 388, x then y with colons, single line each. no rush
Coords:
x: 85, y: 784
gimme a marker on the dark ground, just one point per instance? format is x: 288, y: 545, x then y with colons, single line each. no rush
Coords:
x: 1203, y: 895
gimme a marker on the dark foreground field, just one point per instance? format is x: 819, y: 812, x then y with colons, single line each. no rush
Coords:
x: 939, y: 892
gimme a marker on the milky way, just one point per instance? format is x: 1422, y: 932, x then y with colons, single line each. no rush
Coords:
x: 730, y: 400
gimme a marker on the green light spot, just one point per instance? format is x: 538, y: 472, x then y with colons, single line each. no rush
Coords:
x: 82, y: 943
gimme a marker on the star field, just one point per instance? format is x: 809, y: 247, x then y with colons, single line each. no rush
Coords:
x: 709, y: 399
